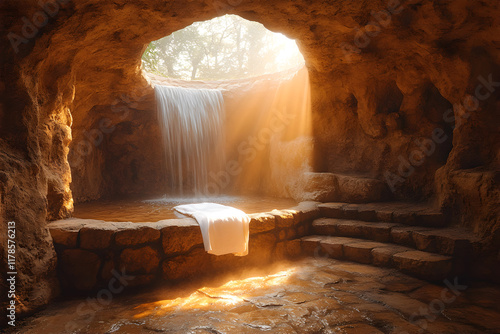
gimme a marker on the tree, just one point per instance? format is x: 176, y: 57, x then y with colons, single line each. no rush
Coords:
x: 223, y: 48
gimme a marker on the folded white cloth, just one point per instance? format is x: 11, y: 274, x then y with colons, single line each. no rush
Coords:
x: 224, y: 229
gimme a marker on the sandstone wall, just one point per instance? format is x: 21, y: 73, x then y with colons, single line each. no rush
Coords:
x: 376, y: 89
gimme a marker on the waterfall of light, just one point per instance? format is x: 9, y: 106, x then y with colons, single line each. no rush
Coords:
x: 191, y: 122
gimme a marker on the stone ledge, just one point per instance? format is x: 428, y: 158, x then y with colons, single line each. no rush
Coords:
x: 334, y: 246
x: 65, y: 237
x: 96, y: 237
x: 361, y: 251
x: 262, y: 222
x: 180, y: 236
x: 308, y: 211
x: 325, y: 187
x: 284, y: 218
x: 136, y: 236
x: 447, y: 241
x: 392, y: 212
x: 352, y: 228
x: 91, y: 250
x: 383, y: 256
x: 433, y: 267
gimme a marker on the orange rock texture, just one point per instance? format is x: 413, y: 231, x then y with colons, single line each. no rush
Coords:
x: 402, y: 91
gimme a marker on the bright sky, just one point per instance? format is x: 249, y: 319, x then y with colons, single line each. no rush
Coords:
x: 221, y: 41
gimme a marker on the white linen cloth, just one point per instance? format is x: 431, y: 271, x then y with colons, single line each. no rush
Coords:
x: 224, y: 229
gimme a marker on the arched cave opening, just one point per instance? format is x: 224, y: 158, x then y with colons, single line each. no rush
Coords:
x: 265, y: 116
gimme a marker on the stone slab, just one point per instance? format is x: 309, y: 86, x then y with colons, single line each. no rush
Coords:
x: 360, y: 251
x: 429, y: 266
x: 262, y: 222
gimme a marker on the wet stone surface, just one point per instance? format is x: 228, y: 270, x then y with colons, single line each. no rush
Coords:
x: 306, y: 296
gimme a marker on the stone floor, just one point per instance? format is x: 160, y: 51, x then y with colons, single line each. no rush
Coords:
x: 306, y: 296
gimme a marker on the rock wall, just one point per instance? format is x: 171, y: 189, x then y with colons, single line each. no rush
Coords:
x: 400, y: 90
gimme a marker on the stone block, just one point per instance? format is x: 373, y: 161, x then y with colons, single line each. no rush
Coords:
x: 136, y: 236
x: 349, y: 228
x: 280, y: 251
x: 65, y: 237
x: 262, y: 222
x: 403, y: 235
x: 319, y: 187
x: 334, y: 246
x: 383, y: 215
x: 425, y: 241
x: 291, y: 234
x: 143, y: 260
x: 324, y: 226
x: 356, y: 189
x: 288, y: 249
x: 332, y: 210
x: 97, y: 236
x: 429, y: 266
x: 187, y: 266
x: 449, y: 241
x: 431, y: 219
x: 378, y: 231
x: 382, y: 256
x: 284, y: 219
x: 360, y: 251
x: 302, y: 230
x: 260, y: 248
x: 350, y: 211
x: 225, y: 262
x: 293, y: 248
x: 310, y: 245
x: 180, y: 235
x: 308, y: 211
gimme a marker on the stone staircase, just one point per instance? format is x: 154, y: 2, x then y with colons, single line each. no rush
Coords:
x: 407, y: 236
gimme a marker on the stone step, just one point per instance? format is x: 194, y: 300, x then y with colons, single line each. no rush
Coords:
x: 446, y: 241
x: 424, y: 265
x: 414, y: 214
x: 328, y: 187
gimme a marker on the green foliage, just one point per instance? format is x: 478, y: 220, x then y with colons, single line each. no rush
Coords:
x: 226, y: 47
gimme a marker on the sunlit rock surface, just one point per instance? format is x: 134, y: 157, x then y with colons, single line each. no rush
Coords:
x: 386, y: 77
